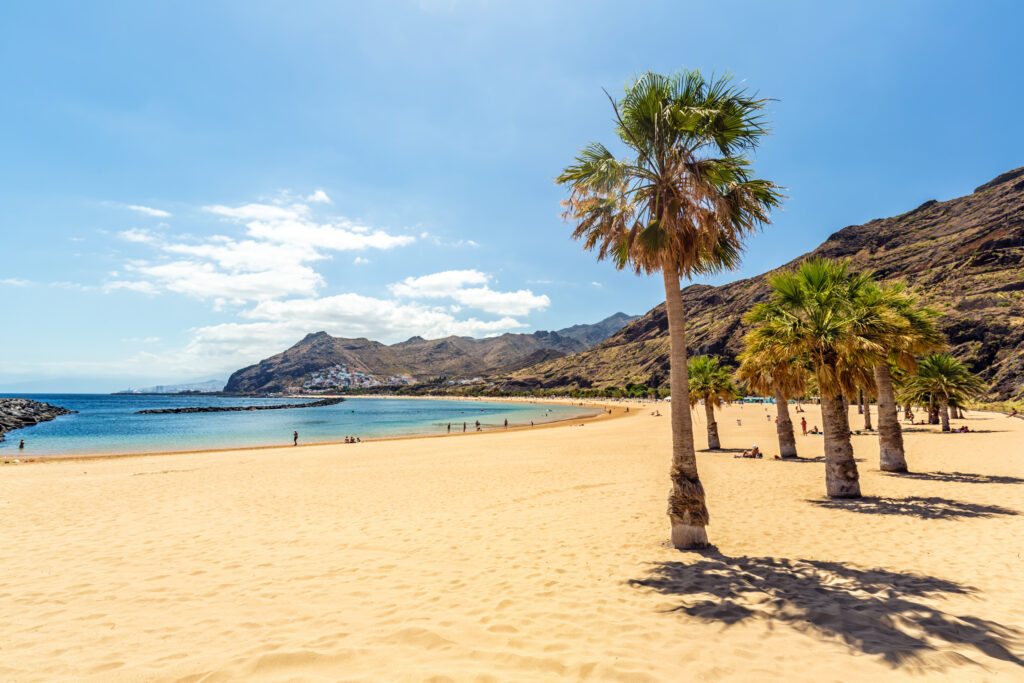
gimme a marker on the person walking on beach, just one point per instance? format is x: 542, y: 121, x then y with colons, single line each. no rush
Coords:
x: 463, y: 427
x: 449, y: 427
x: 803, y: 425
x: 295, y: 438
x: 21, y: 445
x: 506, y: 423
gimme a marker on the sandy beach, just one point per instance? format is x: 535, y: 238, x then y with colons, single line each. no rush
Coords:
x: 527, y: 555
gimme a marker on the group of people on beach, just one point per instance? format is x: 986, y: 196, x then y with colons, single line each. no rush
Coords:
x: 348, y: 439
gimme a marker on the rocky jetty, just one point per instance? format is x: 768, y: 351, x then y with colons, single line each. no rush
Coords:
x: 16, y: 413
x: 234, y: 409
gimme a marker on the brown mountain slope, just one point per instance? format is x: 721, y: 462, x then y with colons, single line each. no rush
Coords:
x: 418, y: 357
x: 964, y: 256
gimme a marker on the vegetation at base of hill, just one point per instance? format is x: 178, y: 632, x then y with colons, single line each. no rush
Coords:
x: 997, y: 407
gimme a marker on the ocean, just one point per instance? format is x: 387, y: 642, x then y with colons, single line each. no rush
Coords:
x: 108, y: 423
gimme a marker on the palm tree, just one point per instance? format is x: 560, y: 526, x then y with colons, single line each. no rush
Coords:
x: 814, y: 313
x: 944, y: 380
x: 769, y: 369
x: 711, y: 383
x: 681, y: 203
x: 913, y: 334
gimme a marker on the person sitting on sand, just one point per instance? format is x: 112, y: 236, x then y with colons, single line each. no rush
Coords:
x: 814, y: 430
x: 754, y: 452
x: 1013, y: 413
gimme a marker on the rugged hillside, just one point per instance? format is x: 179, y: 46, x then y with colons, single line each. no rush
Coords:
x: 459, y: 357
x: 964, y: 256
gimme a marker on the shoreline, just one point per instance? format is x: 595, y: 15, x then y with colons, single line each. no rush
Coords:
x: 559, y: 422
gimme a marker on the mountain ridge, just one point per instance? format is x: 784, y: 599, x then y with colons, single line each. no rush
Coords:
x: 963, y: 256
x: 416, y: 357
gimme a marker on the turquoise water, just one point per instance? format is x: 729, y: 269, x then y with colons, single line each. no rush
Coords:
x: 108, y: 423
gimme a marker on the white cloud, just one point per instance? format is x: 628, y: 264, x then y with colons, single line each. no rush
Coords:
x: 141, y: 286
x: 271, y: 262
x: 354, y: 315
x: 262, y: 270
x: 469, y: 288
x: 442, y: 243
x: 15, y: 282
x: 149, y: 211
x: 76, y: 286
x: 205, y: 281
x: 140, y: 235
x: 596, y: 284
x: 437, y: 285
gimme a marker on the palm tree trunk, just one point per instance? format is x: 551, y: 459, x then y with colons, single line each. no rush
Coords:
x: 686, y: 508
x: 841, y: 478
x: 787, y: 441
x: 860, y: 401
x: 867, y: 415
x: 709, y: 411
x: 944, y: 412
x: 890, y: 437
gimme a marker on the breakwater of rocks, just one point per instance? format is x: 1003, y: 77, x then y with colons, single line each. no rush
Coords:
x: 232, y: 409
x: 16, y: 413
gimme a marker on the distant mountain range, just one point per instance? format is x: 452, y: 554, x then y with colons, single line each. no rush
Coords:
x: 964, y: 256
x: 206, y: 386
x: 319, y: 355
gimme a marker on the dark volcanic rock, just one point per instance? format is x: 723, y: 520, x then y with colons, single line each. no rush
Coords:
x: 235, y: 409
x: 964, y: 257
x: 16, y: 413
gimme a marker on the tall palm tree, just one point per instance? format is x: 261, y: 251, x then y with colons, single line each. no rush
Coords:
x: 681, y: 203
x: 943, y: 379
x: 710, y: 382
x: 914, y: 333
x: 769, y: 369
x: 814, y: 313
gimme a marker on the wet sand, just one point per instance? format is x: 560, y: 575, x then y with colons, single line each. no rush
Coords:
x: 522, y: 555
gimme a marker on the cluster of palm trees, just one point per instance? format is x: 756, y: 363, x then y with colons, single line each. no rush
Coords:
x: 681, y: 200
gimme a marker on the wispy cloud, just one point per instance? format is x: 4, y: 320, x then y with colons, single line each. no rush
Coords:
x: 148, y: 210
x: 469, y: 288
x: 271, y: 261
x: 15, y: 282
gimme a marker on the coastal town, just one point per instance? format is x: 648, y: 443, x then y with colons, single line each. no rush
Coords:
x: 339, y: 377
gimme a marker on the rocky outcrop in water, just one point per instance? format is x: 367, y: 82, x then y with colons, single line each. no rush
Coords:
x: 234, y: 409
x: 16, y: 413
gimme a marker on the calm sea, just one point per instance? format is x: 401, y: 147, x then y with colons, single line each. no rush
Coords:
x: 108, y: 423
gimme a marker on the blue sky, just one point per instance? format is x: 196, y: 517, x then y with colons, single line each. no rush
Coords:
x: 186, y: 188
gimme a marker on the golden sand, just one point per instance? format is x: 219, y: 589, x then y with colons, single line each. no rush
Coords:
x: 527, y: 555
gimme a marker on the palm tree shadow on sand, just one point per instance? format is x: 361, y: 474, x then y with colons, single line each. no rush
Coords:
x: 914, y: 506
x: 873, y: 611
x: 959, y: 477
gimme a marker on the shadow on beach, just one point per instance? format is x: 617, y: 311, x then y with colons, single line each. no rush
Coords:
x: 914, y: 506
x: 958, y: 477
x: 873, y: 611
